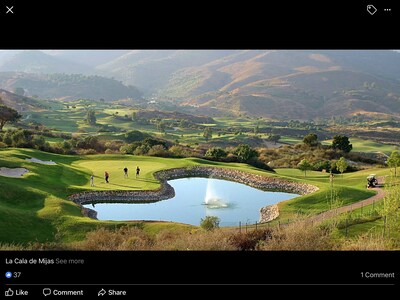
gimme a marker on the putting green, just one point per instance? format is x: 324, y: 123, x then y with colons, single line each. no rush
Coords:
x: 117, y: 180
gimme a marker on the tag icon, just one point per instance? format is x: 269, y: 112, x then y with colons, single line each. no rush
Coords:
x: 371, y: 9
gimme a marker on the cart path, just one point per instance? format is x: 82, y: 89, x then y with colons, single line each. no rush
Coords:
x: 333, y: 212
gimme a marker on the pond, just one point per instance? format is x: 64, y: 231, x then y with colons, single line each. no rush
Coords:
x: 194, y: 199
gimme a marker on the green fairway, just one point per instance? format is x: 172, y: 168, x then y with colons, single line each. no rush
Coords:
x: 290, y: 140
x: 348, y: 189
x: 35, y: 206
x: 360, y: 145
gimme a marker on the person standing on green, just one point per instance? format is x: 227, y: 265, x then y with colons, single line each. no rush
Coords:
x: 106, y: 175
x: 137, y: 171
x: 125, y: 172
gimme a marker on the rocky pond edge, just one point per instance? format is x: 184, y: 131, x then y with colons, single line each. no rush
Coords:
x: 166, y: 191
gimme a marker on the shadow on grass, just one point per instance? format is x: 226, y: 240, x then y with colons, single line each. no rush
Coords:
x: 146, y: 180
x: 19, y: 215
x: 120, y: 185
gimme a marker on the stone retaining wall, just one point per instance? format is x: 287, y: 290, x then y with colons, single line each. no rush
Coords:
x: 253, y: 180
x: 269, y: 213
x: 166, y: 191
x: 87, y: 212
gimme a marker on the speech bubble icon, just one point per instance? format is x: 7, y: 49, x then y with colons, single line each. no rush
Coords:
x: 46, y: 292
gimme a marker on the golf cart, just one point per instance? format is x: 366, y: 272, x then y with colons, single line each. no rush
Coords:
x: 372, y: 181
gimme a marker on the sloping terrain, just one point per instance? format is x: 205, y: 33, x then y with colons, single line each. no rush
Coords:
x: 20, y: 103
x: 298, y: 84
x: 64, y: 86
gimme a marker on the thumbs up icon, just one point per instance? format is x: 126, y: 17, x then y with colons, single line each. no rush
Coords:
x: 9, y: 292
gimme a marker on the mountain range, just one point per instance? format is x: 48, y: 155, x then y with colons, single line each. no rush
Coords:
x: 296, y: 84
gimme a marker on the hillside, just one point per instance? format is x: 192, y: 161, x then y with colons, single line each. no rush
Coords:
x: 307, y: 84
x: 91, y: 58
x: 20, y: 103
x: 324, y: 94
x: 151, y: 70
x: 164, y: 115
x: 38, y: 62
x: 295, y: 84
x: 73, y: 86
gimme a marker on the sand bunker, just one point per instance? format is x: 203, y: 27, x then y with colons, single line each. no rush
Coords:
x: 15, y: 172
x: 38, y: 161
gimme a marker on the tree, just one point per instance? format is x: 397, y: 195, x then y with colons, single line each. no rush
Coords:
x: 207, y: 134
x: 311, y: 139
x: 158, y: 150
x: 341, y: 142
x: 91, y: 117
x: 22, y: 138
x: 8, y: 114
x: 304, y: 165
x: 215, y: 152
x: 161, y: 127
x: 274, y: 138
x: 341, y: 165
x: 245, y: 152
x: 209, y: 223
x: 135, y: 136
x: 394, y: 161
x: 66, y: 146
x: 322, y: 165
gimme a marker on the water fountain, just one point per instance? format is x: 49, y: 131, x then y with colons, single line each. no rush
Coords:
x: 213, y: 199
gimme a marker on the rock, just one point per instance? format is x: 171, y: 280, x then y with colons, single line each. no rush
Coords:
x: 89, y: 212
x: 269, y: 213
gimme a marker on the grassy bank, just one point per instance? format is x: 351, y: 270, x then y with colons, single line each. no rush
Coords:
x: 35, y: 208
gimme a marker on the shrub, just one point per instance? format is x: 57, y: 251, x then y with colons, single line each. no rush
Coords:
x: 244, y: 152
x: 299, y: 236
x: 180, y: 151
x: 322, y: 165
x: 193, y: 240
x: 210, y: 223
x: 128, y: 149
x: 158, y: 150
x: 250, y: 240
x: 113, y: 145
x: 141, y: 150
x: 88, y: 151
x: 124, y: 238
x: 135, y: 136
x: 216, y: 153
x: 3, y: 145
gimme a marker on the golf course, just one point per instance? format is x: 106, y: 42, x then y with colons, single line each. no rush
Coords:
x: 35, y: 206
x: 199, y: 150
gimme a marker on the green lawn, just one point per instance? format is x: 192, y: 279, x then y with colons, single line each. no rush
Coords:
x: 360, y: 145
x: 290, y: 140
x: 35, y: 207
x: 349, y: 189
x: 53, y: 140
x: 71, y: 120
